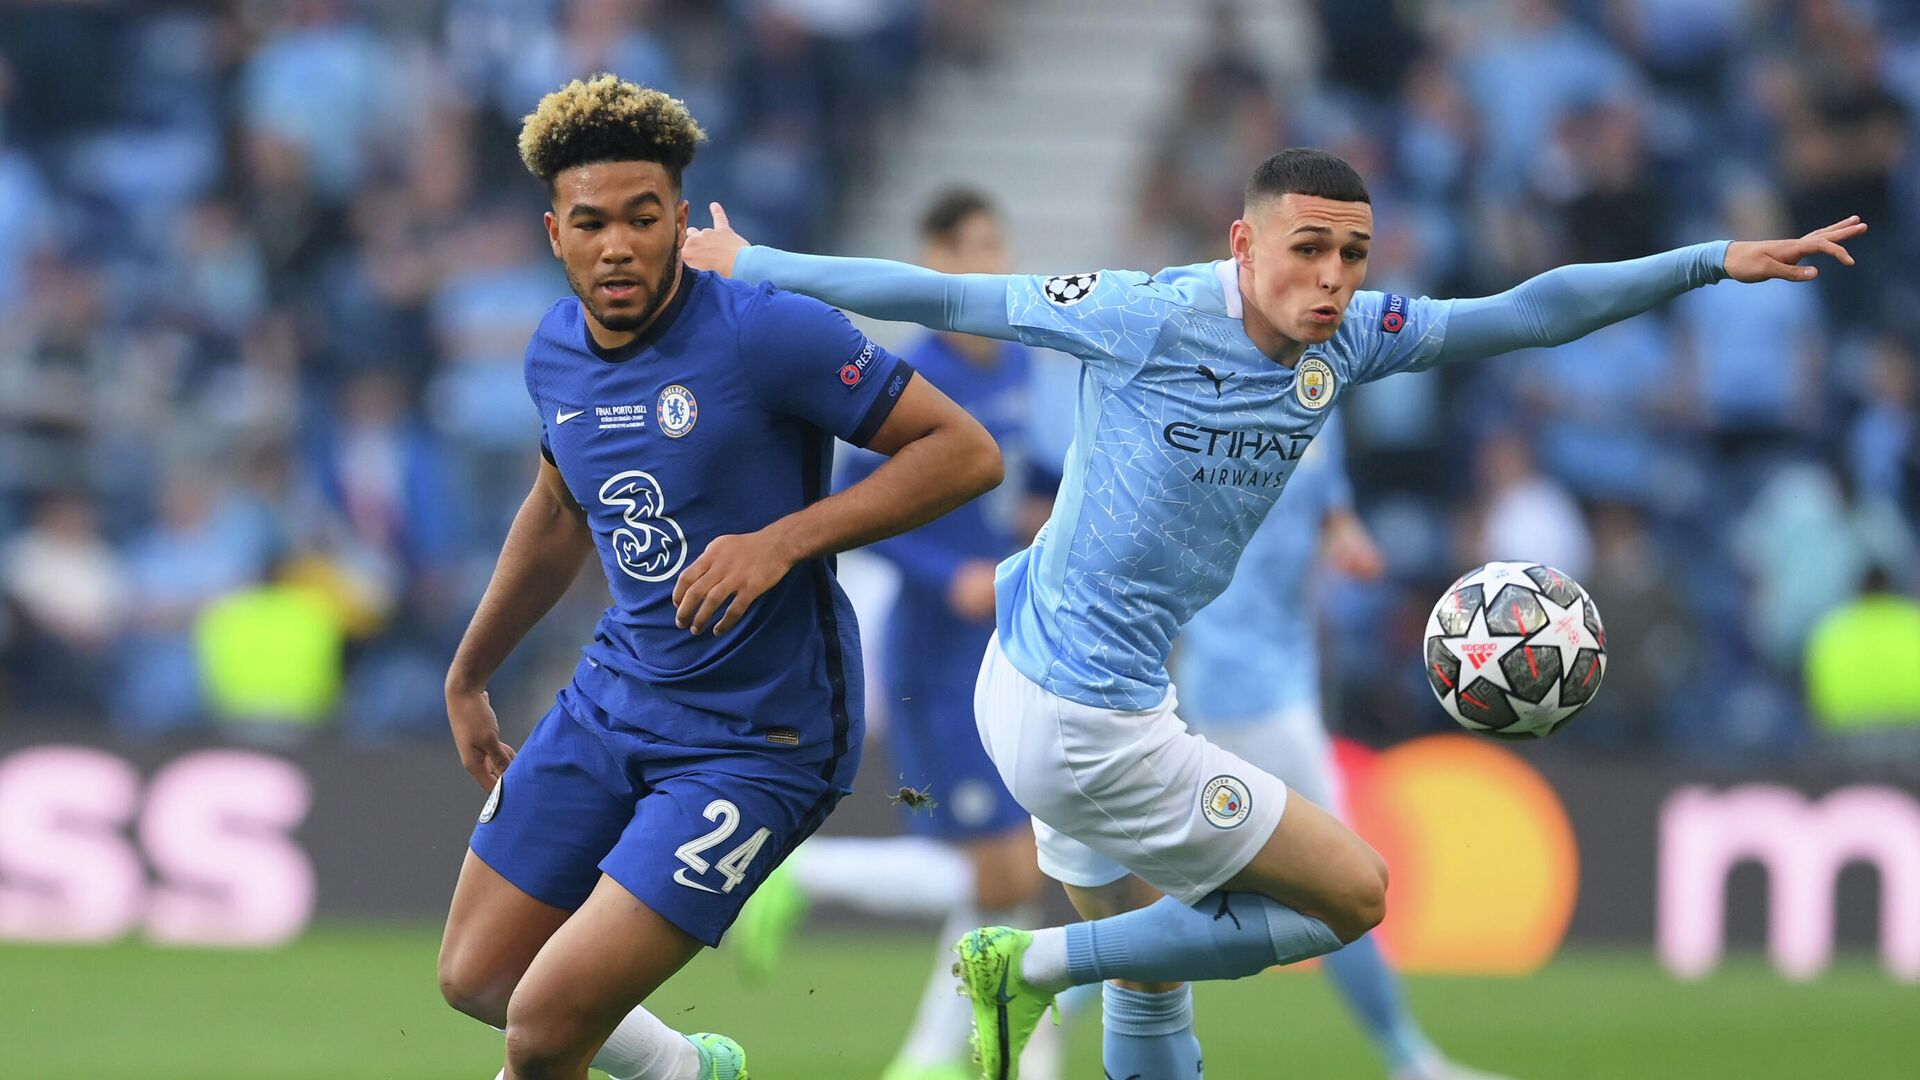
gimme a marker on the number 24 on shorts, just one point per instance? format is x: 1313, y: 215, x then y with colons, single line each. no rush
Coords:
x: 732, y: 865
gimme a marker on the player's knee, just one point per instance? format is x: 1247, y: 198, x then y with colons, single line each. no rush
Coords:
x: 1363, y: 903
x: 481, y: 995
x: 544, y: 1038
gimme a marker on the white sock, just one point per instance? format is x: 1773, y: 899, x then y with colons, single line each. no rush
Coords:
x: 1045, y: 964
x: 643, y: 1048
x: 899, y: 875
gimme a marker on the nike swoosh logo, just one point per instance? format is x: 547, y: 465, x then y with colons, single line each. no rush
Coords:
x: 562, y: 417
x: 1006, y: 1066
x: 680, y: 876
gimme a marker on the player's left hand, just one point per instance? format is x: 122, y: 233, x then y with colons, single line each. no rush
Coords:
x: 1766, y: 260
x: 738, y: 568
x: 713, y: 249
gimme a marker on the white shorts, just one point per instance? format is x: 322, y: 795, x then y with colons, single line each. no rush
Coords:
x: 1292, y: 745
x: 1114, y: 792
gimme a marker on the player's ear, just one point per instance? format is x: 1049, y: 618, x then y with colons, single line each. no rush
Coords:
x: 680, y: 219
x: 1240, y: 242
x: 553, y: 233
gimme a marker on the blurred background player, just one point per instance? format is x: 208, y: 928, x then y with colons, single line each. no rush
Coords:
x: 1248, y: 668
x: 970, y: 854
x: 716, y: 716
x: 1201, y: 387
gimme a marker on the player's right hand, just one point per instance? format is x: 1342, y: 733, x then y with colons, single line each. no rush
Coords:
x: 476, y: 734
x: 713, y: 249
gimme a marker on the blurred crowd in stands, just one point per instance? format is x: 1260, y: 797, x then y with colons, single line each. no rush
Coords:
x: 267, y: 270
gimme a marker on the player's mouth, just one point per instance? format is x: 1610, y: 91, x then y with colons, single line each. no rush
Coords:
x: 620, y: 288
x: 1324, y: 315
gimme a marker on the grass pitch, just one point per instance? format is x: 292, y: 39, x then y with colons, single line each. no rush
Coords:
x: 361, y: 1002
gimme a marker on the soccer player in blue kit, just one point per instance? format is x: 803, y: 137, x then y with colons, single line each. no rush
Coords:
x: 1201, y: 387
x: 715, y: 718
x: 970, y: 855
x: 1248, y: 668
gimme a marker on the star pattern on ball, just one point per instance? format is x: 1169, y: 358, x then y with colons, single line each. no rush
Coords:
x: 1479, y: 651
x: 1566, y: 630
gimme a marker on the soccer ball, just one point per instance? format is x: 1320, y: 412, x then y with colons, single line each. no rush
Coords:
x: 1514, y: 649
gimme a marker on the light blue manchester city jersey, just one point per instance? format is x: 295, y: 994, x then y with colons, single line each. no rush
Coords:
x: 1184, y: 434
x: 1254, y: 652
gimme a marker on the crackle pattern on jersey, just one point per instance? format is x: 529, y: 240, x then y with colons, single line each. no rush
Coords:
x: 1184, y: 436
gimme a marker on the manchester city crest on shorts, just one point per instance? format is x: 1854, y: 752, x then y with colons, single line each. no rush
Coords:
x: 493, y: 801
x: 1225, y: 802
x: 1313, y: 383
x: 1069, y: 289
x: 677, y: 410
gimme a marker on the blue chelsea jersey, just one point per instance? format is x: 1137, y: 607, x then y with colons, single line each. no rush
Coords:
x: 718, y: 420
x: 1184, y: 435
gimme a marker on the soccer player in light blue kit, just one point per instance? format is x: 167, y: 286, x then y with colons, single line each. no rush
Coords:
x: 1202, y: 386
x: 1248, y: 666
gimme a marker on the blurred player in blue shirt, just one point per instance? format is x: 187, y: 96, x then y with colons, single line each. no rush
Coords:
x: 1248, y: 668
x: 971, y: 858
x: 1201, y: 388
x: 716, y: 716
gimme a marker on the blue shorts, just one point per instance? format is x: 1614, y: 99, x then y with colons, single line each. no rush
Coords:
x: 936, y: 748
x: 691, y: 832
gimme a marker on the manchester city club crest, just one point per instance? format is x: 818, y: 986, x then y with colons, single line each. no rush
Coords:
x: 1225, y: 802
x: 677, y: 410
x: 1313, y: 383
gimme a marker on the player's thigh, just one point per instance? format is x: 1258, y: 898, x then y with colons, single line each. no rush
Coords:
x: 534, y: 856
x: 1314, y: 864
x: 493, y: 933
x: 606, y: 958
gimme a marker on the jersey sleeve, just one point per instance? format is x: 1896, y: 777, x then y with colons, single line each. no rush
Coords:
x: 1394, y: 333
x: 1110, y: 319
x: 809, y: 362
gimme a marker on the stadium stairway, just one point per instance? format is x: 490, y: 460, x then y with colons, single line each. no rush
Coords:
x: 1057, y: 126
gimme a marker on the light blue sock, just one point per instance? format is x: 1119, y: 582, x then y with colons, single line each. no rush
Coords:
x: 1372, y: 991
x: 1148, y: 1036
x: 1225, y: 936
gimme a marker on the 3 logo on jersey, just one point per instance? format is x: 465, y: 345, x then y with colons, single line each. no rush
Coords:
x: 855, y: 369
x: 1069, y: 289
x: 651, y: 547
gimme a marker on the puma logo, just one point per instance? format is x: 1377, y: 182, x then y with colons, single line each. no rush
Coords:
x: 1218, y: 380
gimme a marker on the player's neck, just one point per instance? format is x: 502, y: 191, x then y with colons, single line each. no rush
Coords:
x: 614, y: 339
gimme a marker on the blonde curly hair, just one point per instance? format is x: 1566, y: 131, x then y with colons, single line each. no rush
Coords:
x: 606, y: 118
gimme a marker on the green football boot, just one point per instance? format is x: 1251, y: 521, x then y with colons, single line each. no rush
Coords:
x: 720, y: 1057
x: 767, y: 922
x: 1006, y: 1008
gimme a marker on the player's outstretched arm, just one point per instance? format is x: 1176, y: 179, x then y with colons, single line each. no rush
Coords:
x: 938, y: 457
x: 877, y: 288
x: 549, y: 540
x: 1570, y: 302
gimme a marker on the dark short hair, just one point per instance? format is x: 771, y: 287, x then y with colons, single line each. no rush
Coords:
x: 1303, y: 170
x: 949, y: 209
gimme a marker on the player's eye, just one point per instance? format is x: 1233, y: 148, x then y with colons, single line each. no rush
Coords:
x: 587, y: 226
x: 644, y: 222
x: 1309, y: 250
x: 1353, y: 255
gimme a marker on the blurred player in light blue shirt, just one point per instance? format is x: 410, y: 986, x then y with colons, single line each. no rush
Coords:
x: 1248, y: 668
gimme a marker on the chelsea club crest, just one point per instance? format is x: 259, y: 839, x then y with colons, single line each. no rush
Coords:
x: 677, y: 410
x: 1313, y: 384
